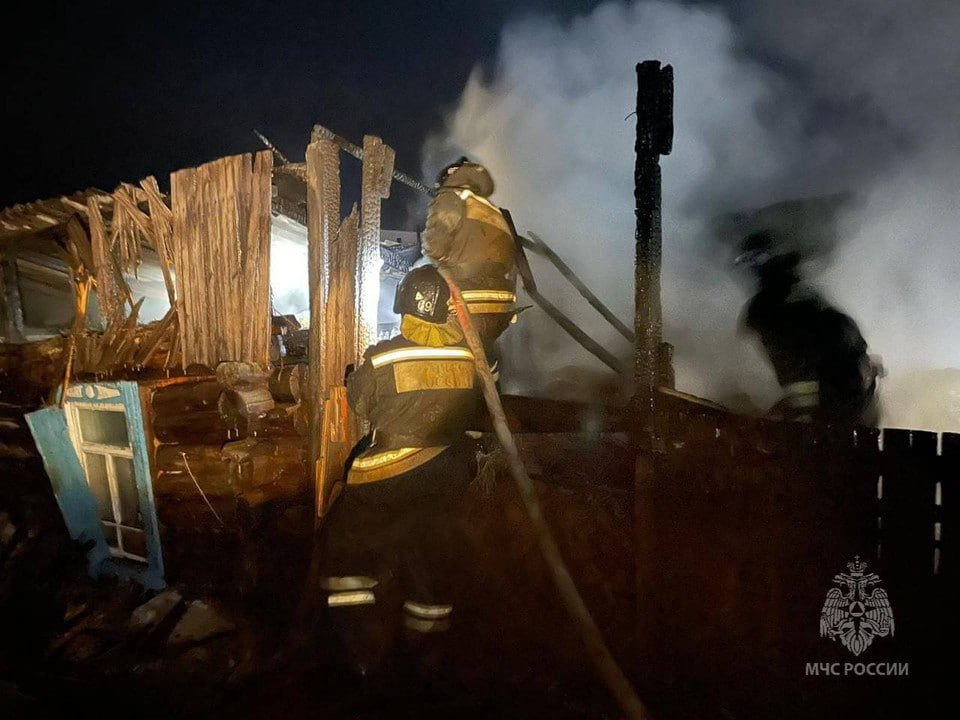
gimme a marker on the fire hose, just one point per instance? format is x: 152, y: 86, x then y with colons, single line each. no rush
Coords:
x: 604, y: 662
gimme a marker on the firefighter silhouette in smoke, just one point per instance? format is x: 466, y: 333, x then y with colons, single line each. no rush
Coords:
x: 391, y: 541
x: 817, y: 352
x: 470, y: 236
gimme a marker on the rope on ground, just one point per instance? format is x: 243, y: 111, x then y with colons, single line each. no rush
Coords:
x: 597, y: 649
x: 193, y: 477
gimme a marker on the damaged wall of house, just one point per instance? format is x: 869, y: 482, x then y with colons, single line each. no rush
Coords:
x: 230, y: 413
x: 221, y: 250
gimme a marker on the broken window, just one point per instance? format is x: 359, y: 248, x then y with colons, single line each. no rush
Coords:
x: 94, y: 450
x: 99, y: 432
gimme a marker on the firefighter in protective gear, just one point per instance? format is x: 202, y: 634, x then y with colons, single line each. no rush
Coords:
x: 468, y: 234
x: 819, y: 356
x: 391, y: 541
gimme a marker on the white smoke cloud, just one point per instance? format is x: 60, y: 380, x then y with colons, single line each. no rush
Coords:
x: 549, y: 122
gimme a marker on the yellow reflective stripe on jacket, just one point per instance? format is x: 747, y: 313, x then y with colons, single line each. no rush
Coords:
x: 384, y: 458
x: 422, y: 375
x: 483, y: 302
x: 472, y: 296
x: 387, y: 464
x: 803, y: 394
x: 803, y: 387
x: 803, y: 401
x: 490, y: 308
x: 421, y: 353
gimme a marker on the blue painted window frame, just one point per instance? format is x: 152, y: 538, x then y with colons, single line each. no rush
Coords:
x: 50, y: 427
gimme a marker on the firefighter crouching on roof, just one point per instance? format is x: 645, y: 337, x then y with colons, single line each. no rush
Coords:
x: 469, y: 235
x: 819, y: 356
x: 391, y: 541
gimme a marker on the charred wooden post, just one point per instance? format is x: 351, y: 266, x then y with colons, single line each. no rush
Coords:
x: 323, y: 222
x: 340, y: 434
x: 341, y: 311
x: 666, y: 378
x: 654, y: 138
x: 376, y: 177
x: 320, y: 132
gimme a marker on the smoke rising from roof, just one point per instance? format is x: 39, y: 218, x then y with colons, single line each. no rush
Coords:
x: 773, y: 102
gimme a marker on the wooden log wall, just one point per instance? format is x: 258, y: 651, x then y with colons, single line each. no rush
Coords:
x: 286, y: 383
x: 193, y: 445
x: 221, y: 250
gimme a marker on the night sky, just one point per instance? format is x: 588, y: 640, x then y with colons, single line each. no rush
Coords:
x: 99, y: 93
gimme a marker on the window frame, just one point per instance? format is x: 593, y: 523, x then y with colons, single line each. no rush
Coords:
x: 109, y: 452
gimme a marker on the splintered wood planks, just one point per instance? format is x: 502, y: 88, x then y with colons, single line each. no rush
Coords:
x: 221, y: 250
x: 110, y: 284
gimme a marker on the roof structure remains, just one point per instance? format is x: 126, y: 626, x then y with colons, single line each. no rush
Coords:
x: 22, y: 220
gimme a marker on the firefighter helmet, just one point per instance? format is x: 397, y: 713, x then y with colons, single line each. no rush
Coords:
x: 450, y: 169
x: 466, y: 174
x: 424, y: 294
x: 760, y: 254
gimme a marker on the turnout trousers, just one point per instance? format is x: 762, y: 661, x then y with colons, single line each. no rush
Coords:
x: 392, y: 554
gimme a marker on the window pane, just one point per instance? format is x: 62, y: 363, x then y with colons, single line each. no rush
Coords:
x: 103, y: 426
x: 134, y: 542
x: 127, y: 489
x: 46, y: 303
x: 110, y: 531
x: 99, y: 485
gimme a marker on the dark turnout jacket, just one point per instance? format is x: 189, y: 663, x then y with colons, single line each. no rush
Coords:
x: 818, y: 353
x: 468, y: 234
x: 418, y: 400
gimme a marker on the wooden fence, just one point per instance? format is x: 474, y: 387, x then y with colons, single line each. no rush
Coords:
x: 741, y: 528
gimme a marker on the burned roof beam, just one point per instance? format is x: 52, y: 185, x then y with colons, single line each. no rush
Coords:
x: 322, y: 133
x: 535, y: 244
x: 277, y: 155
